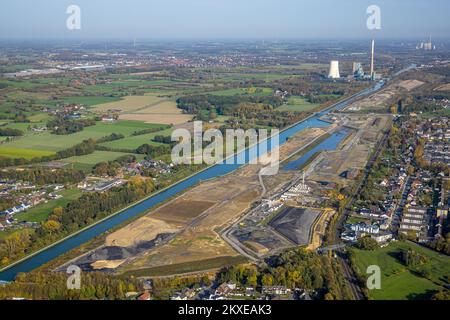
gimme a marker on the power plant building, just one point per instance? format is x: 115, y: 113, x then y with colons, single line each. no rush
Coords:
x: 358, y: 70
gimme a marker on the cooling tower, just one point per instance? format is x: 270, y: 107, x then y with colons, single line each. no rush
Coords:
x: 334, y: 70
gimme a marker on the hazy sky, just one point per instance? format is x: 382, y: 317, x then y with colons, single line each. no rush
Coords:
x: 270, y: 19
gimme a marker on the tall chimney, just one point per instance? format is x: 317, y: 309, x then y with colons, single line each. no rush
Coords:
x: 372, y: 72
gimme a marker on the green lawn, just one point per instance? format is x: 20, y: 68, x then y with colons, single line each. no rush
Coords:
x: 356, y: 220
x: 35, y: 144
x: 42, y: 211
x: 298, y: 104
x: 399, y: 282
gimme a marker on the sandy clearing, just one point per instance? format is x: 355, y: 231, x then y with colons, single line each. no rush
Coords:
x: 141, y: 230
x: 410, y: 84
x: 106, y: 264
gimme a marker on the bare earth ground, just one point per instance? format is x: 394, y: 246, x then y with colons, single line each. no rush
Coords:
x: 137, y: 231
x: 410, y: 84
x: 196, y: 216
x: 319, y: 229
x: 444, y: 87
x: 384, y: 98
x: 354, y: 156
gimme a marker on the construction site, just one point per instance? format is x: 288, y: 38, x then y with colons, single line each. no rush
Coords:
x: 244, y: 214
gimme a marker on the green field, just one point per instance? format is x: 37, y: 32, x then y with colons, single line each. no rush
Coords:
x: 42, y: 211
x: 131, y: 143
x: 40, y: 117
x: 39, y: 144
x: 255, y: 92
x: 399, y: 282
x: 87, y: 162
x: 90, y: 100
x: 238, y: 77
x: 35, y: 83
x: 11, y: 152
x: 124, y: 86
x: 298, y: 104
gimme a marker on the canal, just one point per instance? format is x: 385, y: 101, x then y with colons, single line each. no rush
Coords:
x: 36, y: 260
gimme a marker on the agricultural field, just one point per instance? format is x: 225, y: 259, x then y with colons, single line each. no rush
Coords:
x: 40, y: 212
x: 40, y: 144
x: 253, y: 91
x: 161, y: 111
x: 298, y: 104
x: 163, y: 107
x: 129, y: 104
x: 170, y: 119
x: 87, y: 162
x: 11, y: 152
x: 36, y: 83
x: 125, y: 86
x: 132, y: 142
x: 398, y: 281
x: 90, y: 100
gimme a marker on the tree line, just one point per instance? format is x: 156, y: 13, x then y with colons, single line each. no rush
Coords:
x: 201, y: 105
x: 53, y: 286
x: 61, y: 126
x: 43, y: 176
x: 10, y: 132
x: 112, y: 168
x: 295, y: 268
x: 87, y: 209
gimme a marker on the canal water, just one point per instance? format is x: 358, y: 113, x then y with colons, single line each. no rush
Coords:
x: 328, y: 144
x: 217, y: 170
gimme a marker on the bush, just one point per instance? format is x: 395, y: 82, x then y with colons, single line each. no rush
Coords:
x: 367, y: 243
